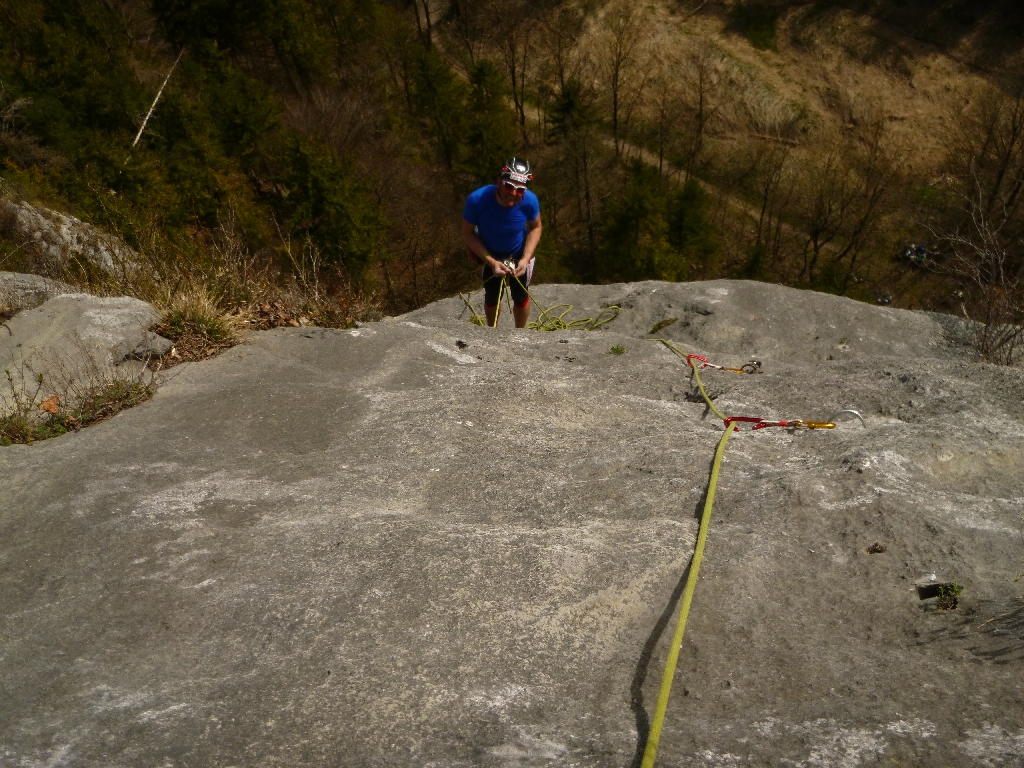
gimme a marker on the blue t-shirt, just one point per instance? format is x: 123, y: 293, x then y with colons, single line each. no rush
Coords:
x: 501, y: 229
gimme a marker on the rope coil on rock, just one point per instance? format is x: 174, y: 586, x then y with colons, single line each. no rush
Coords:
x: 547, y: 320
x: 731, y: 424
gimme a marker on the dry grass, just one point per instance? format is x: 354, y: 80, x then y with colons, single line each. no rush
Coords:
x: 199, y: 326
x: 33, y: 409
x: 209, y: 299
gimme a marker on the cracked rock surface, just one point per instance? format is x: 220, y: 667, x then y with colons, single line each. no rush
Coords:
x: 421, y: 542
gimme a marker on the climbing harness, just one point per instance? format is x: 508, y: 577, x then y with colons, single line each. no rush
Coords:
x: 546, y: 320
x: 732, y: 424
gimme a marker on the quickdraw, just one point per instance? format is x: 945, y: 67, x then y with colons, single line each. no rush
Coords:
x: 754, y: 366
x: 796, y: 423
x: 760, y: 423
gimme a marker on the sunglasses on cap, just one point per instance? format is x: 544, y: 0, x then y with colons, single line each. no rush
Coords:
x: 515, y: 189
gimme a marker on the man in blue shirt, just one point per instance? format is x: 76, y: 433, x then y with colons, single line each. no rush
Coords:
x: 501, y: 223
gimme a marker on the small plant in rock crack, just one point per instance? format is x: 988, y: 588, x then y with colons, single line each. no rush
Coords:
x: 617, y: 350
x: 949, y: 596
x: 30, y: 417
x: 20, y: 396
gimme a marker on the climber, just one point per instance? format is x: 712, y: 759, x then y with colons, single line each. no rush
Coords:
x: 501, y: 227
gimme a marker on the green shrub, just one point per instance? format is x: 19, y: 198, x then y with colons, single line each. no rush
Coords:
x: 756, y: 22
x: 652, y: 231
x: 949, y: 596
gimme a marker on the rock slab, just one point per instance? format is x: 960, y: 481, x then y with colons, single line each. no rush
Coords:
x: 420, y: 542
x: 76, y: 336
x: 19, y: 291
x: 55, y: 238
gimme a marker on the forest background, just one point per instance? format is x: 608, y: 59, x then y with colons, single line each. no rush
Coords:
x: 307, y: 159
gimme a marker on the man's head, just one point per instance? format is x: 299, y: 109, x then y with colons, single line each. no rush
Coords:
x: 513, y: 181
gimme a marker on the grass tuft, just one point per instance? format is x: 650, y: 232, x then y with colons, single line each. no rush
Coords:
x: 949, y: 596
x: 197, y: 313
x: 33, y: 419
x: 199, y: 327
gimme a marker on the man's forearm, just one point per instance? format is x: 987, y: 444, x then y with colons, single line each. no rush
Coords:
x: 476, y: 245
x: 532, y: 239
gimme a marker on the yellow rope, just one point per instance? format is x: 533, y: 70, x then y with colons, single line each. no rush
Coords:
x: 476, y: 319
x: 546, y: 319
x: 548, y: 322
x: 691, y: 584
x: 704, y: 393
x: 654, y: 735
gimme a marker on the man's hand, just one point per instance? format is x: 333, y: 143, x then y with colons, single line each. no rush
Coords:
x: 497, y: 267
x: 522, y: 266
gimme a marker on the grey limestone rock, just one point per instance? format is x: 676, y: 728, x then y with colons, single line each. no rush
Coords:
x: 19, y: 291
x: 424, y: 543
x: 54, y: 238
x: 81, y: 335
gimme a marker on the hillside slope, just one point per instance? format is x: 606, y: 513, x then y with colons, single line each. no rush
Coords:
x: 317, y: 153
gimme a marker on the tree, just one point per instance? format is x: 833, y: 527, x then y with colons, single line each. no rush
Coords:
x: 689, y: 222
x: 468, y: 26
x: 440, y: 97
x: 666, y: 109
x: 650, y: 231
x: 775, y: 190
x: 490, y: 137
x: 992, y: 263
x: 513, y: 31
x: 573, y: 127
x: 354, y: 25
x: 987, y: 242
x: 328, y: 201
x: 987, y: 156
x: 398, y: 46
x: 828, y: 195
x: 703, y: 74
x: 621, y: 63
x: 561, y: 31
x: 288, y: 27
x: 875, y: 172
x: 426, y: 12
